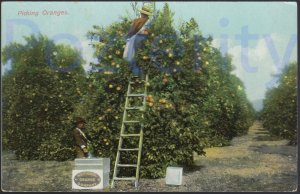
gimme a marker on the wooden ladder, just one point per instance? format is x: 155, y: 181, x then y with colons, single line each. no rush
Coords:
x: 123, y: 134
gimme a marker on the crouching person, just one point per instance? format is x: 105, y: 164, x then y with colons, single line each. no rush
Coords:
x: 80, y: 138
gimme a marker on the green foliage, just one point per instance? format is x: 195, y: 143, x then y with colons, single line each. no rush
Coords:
x: 279, y: 114
x: 39, y: 98
x: 197, y: 102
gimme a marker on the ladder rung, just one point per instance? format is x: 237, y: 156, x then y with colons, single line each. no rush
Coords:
x: 125, y: 178
x: 135, y: 108
x: 137, y: 82
x: 136, y: 95
x: 131, y: 121
x: 129, y: 149
x: 130, y: 135
x: 127, y: 165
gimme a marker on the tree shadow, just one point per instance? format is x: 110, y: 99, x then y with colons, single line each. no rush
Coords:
x: 267, y: 138
x: 192, y: 168
x: 262, y: 132
x: 261, y: 129
x: 275, y: 149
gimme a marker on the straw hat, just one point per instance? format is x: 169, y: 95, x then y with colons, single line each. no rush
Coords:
x: 147, y: 10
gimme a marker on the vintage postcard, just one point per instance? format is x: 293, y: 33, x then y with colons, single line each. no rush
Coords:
x: 166, y: 96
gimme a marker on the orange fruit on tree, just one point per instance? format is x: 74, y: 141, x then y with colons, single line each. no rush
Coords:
x: 149, y: 98
x: 162, y: 100
x: 165, y: 80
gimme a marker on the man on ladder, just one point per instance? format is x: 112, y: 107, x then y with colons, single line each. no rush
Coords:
x: 136, y: 35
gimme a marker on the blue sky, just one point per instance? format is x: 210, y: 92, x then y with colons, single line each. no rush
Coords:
x: 272, y: 27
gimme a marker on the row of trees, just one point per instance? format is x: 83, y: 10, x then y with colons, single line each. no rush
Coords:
x: 279, y: 114
x: 194, y: 101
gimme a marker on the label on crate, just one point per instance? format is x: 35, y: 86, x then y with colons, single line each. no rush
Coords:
x: 83, y: 179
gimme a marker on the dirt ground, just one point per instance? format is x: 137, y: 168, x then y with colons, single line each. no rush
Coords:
x: 254, y: 162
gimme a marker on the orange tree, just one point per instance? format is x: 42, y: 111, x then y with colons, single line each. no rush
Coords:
x: 39, y: 96
x: 279, y: 114
x: 194, y: 102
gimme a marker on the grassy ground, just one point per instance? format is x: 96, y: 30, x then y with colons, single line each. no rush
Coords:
x: 254, y: 162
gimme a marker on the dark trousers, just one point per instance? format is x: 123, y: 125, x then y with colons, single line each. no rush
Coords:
x: 80, y: 153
